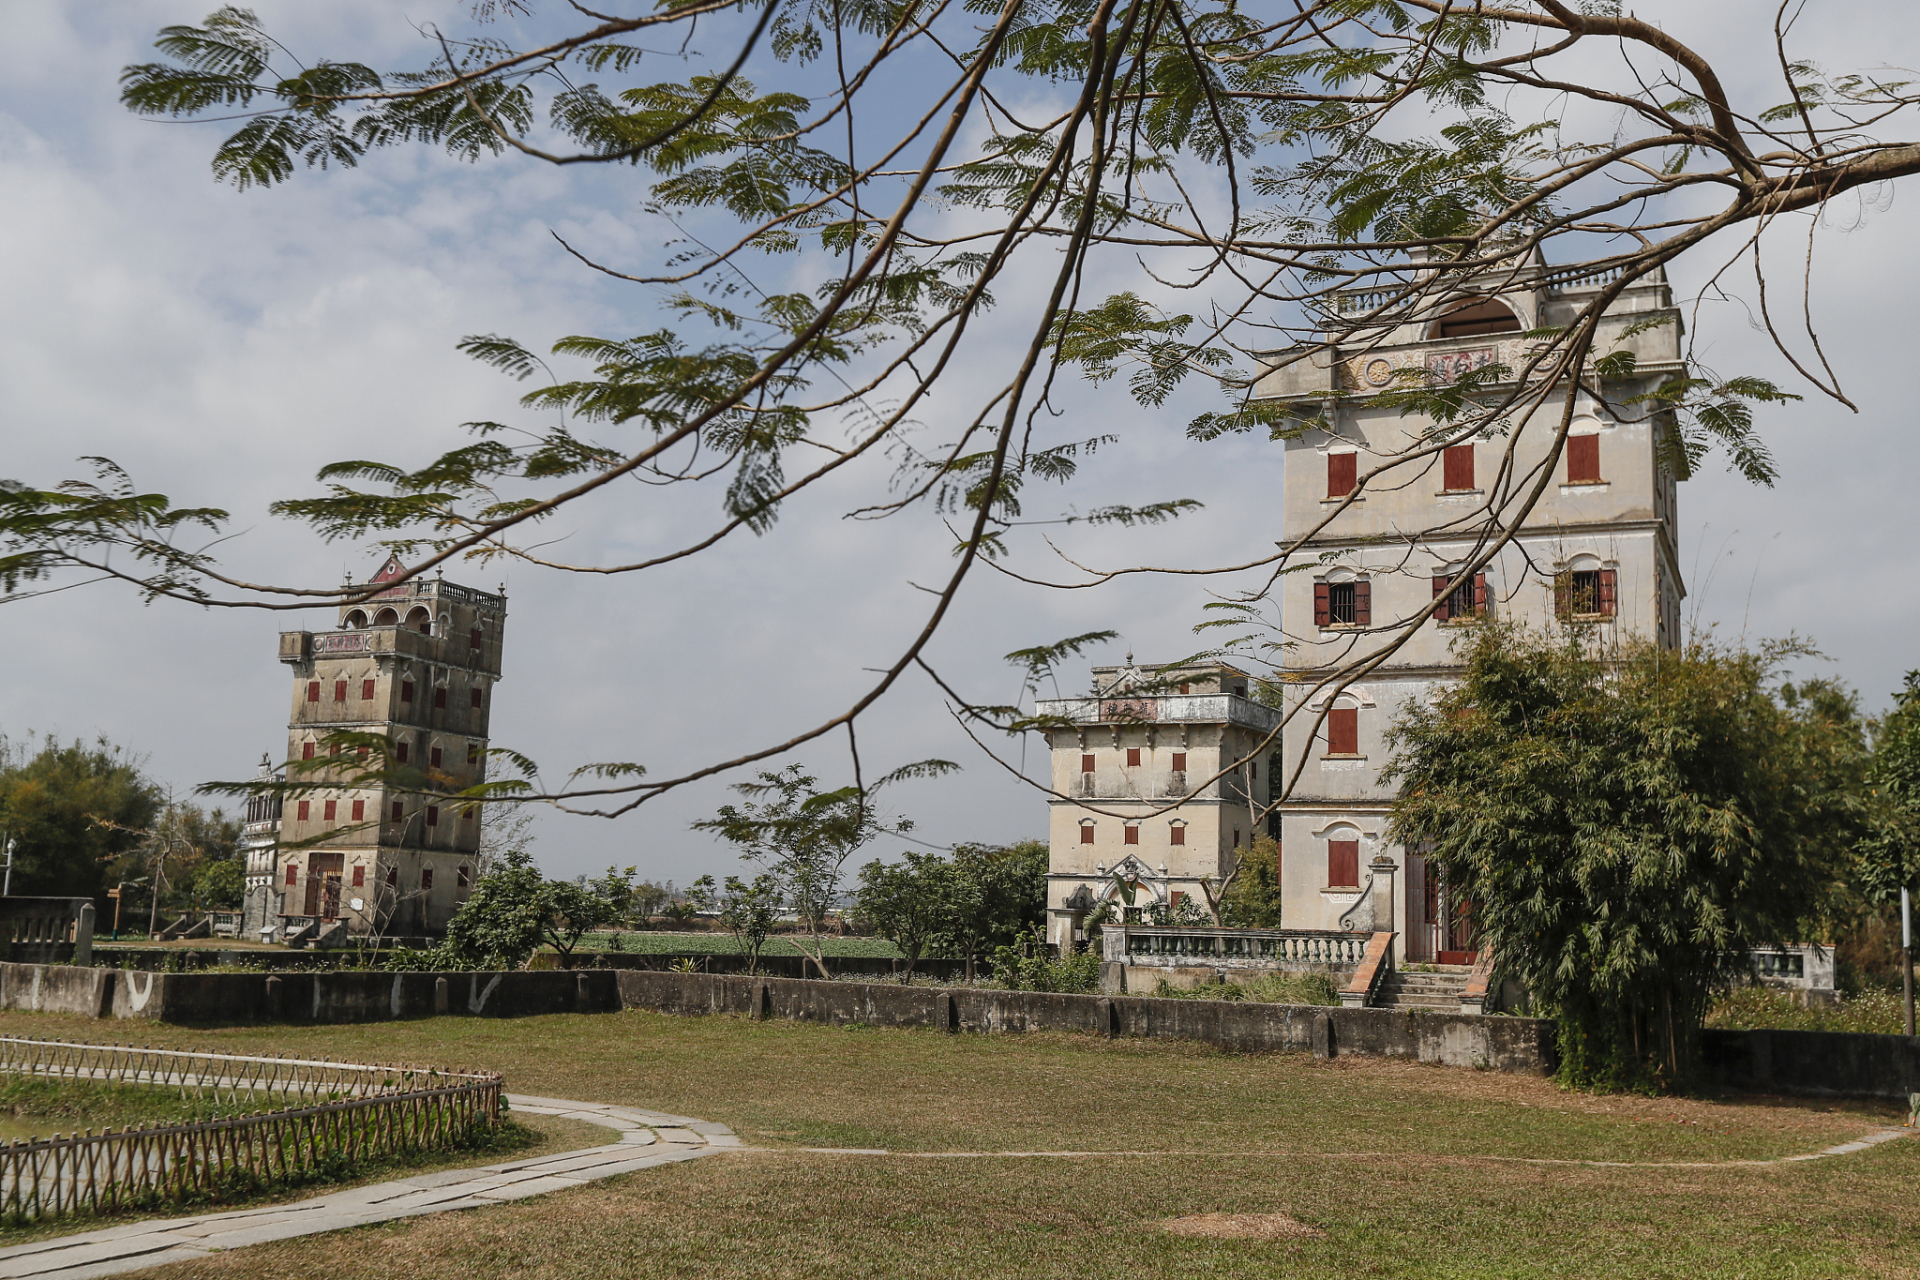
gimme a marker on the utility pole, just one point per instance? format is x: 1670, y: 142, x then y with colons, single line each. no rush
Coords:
x: 1906, y: 952
x: 6, y: 890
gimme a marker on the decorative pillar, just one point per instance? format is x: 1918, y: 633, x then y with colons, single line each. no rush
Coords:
x: 1383, y: 868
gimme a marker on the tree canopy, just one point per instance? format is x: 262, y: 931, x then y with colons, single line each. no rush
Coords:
x: 1160, y: 193
x: 71, y: 809
x: 1626, y: 824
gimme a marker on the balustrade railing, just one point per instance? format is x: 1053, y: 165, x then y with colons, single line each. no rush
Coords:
x: 1281, y: 946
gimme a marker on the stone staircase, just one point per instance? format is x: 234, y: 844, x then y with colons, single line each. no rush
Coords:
x: 1435, y: 986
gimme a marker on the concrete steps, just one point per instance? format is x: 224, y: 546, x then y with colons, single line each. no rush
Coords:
x: 1435, y: 987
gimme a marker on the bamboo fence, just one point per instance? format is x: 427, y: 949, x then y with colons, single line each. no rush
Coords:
x: 345, y: 1113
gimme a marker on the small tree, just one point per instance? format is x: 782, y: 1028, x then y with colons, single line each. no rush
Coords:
x: 1626, y: 824
x: 574, y: 909
x: 747, y: 910
x: 500, y: 924
x: 1252, y: 901
x: 804, y: 837
x: 648, y: 899
x: 907, y: 902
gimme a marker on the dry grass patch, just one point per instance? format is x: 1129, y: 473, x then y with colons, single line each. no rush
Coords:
x: 1241, y: 1226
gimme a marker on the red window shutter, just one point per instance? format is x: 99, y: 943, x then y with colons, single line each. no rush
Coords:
x: 1343, y: 472
x: 339, y: 690
x: 1343, y: 731
x: 1178, y: 835
x: 464, y: 877
x: 305, y: 809
x: 393, y: 877
x: 1086, y: 833
x: 1179, y: 762
x: 359, y: 877
x: 473, y: 753
x: 471, y: 813
x: 1457, y: 465
x: 1133, y: 834
x: 293, y: 874
x: 1440, y: 581
x: 1086, y: 764
x: 440, y: 698
x: 329, y: 810
x: 406, y: 691
x: 1186, y: 686
x: 1175, y: 898
x: 433, y: 758
x: 366, y: 691
x: 433, y: 815
x: 473, y: 638
x: 473, y: 695
x: 399, y: 810
x: 400, y: 752
x: 333, y: 748
x: 313, y: 691
x: 1322, y: 610
x: 1563, y: 595
x: 1609, y: 592
x: 1583, y: 459
x: 306, y: 751
x: 359, y: 810
x: 1362, y: 602
x: 1479, y: 593
x: 1133, y: 757
x: 1343, y: 863
x: 426, y: 877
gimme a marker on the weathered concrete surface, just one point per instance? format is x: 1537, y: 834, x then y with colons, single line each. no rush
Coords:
x: 1814, y: 1063
x: 1465, y: 1040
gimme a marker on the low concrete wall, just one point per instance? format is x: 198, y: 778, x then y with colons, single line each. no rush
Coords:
x: 1814, y: 1063
x: 1464, y: 1040
x: 350, y: 996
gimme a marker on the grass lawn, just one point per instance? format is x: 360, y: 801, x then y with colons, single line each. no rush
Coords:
x: 1389, y: 1161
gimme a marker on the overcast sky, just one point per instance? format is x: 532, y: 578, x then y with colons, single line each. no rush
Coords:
x: 224, y: 346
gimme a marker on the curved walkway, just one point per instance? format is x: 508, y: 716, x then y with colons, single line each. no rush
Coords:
x: 647, y: 1138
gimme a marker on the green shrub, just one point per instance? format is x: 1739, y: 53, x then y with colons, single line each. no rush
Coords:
x: 1268, y: 988
x: 1875, y: 1011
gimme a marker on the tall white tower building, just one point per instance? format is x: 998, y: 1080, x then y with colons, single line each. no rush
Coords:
x: 1601, y: 547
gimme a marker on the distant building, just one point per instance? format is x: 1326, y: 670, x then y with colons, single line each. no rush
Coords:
x: 1601, y: 548
x: 415, y: 665
x: 260, y: 848
x: 1144, y: 738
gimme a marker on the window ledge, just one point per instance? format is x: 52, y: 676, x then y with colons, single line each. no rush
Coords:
x: 1340, y: 888
x: 1328, y: 502
x: 1460, y: 493
x: 1586, y: 486
x: 1587, y: 617
x: 1342, y: 757
x: 1475, y: 620
x: 1345, y: 626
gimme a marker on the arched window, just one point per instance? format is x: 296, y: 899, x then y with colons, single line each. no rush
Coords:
x: 357, y: 619
x: 385, y: 618
x: 418, y: 619
x: 1475, y: 316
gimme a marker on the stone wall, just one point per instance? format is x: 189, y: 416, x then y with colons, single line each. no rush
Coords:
x: 1450, y: 1039
x: 1814, y: 1063
x: 350, y: 996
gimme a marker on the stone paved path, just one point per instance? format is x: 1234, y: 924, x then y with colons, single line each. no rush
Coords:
x: 647, y: 1138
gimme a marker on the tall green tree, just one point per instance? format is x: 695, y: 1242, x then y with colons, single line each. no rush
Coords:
x: 1626, y: 823
x: 70, y: 810
x: 1890, y: 853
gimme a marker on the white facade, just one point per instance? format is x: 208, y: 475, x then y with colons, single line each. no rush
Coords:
x: 1144, y: 739
x: 1600, y: 545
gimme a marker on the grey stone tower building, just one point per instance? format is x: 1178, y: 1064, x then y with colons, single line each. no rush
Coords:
x: 415, y: 665
x: 1601, y: 547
